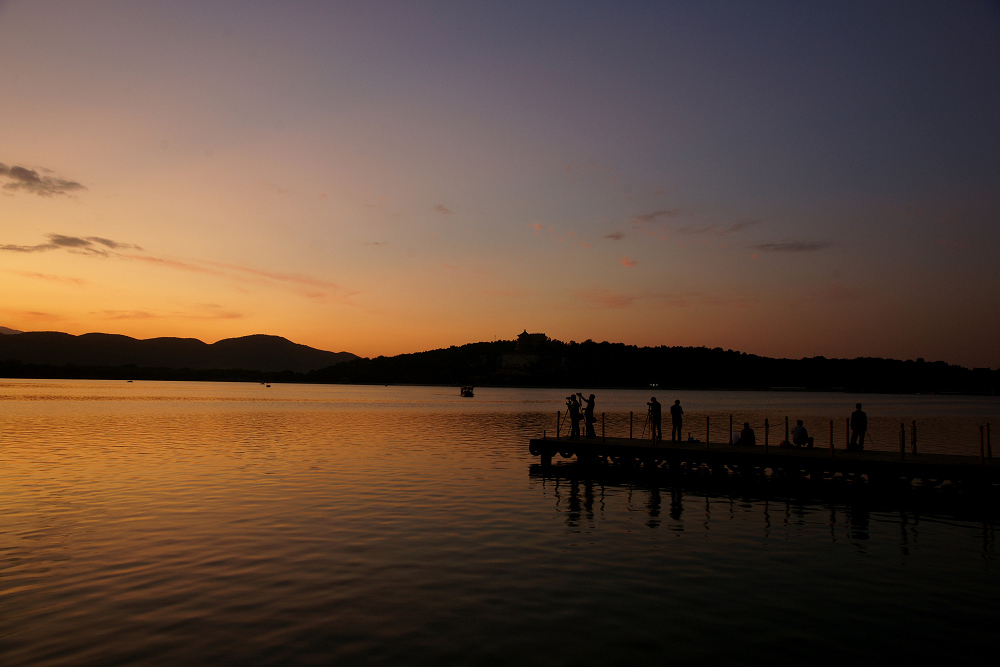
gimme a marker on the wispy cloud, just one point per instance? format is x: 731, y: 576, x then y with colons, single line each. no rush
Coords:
x: 629, y: 263
x: 689, y: 299
x: 28, y: 180
x: 304, y: 285
x: 794, y: 246
x: 742, y: 225
x: 603, y: 298
x: 835, y: 292
x: 35, y: 315
x: 510, y: 294
x: 90, y: 245
x: 443, y: 210
x: 201, y: 312
x: 653, y: 216
x: 375, y: 243
x: 49, y: 277
x: 615, y: 236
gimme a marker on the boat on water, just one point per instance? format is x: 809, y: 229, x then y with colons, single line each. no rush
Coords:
x: 467, y: 392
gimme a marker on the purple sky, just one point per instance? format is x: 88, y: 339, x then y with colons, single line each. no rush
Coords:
x: 789, y: 179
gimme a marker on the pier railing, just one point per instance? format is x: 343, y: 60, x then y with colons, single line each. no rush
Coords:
x: 614, y: 426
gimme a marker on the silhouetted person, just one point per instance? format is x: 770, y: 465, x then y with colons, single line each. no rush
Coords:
x: 859, y: 425
x: 574, y: 417
x: 588, y: 414
x: 676, y: 421
x: 800, y: 436
x: 747, y: 436
x: 655, y: 419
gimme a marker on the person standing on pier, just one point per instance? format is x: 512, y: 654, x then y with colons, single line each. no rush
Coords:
x: 859, y: 426
x: 574, y: 415
x: 676, y: 420
x: 655, y: 419
x: 588, y: 414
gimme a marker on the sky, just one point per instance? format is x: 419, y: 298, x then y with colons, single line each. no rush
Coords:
x: 784, y: 178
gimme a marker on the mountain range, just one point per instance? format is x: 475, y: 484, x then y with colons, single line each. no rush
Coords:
x: 251, y: 353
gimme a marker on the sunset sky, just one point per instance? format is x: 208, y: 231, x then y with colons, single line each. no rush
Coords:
x: 788, y: 179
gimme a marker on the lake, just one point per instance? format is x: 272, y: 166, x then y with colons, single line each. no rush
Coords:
x: 224, y: 523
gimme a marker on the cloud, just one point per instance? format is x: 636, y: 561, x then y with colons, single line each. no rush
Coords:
x: 375, y: 243
x: 33, y: 315
x: 689, y: 299
x: 50, y: 277
x: 538, y: 227
x: 689, y: 230
x: 114, y: 245
x: 647, y: 218
x: 209, y: 312
x: 615, y: 236
x: 303, y: 285
x: 443, y: 210
x: 511, y: 294
x: 29, y: 180
x: 794, y: 246
x: 834, y: 292
x: 625, y: 261
x: 602, y: 298
x: 124, y: 314
x: 740, y: 226
x: 72, y: 243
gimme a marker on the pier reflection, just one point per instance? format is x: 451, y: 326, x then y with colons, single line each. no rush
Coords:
x: 589, y: 498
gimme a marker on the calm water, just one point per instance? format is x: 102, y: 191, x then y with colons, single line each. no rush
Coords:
x: 204, y: 523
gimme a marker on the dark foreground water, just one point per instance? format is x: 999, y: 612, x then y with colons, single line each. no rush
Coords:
x: 200, y: 523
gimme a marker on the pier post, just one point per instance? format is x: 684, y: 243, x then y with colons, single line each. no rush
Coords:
x: 603, y: 439
x: 902, y: 440
x: 767, y: 428
x: 982, y: 457
x: 913, y: 437
x: 831, y: 439
x: 730, y: 429
x: 630, y: 413
x: 989, y: 449
x: 847, y: 432
x: 558, y: 423
x: 786, y: 431
x: 706, y: 431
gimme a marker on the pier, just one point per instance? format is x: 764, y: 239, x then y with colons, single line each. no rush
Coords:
x: 818, y: 462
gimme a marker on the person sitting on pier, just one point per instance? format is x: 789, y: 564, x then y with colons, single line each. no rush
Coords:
x: 588, y: 414
x: 655, y: 419
x: 573, y: 406
x: 859, y: 426
x: 747, y: 436
x: 800, y: 436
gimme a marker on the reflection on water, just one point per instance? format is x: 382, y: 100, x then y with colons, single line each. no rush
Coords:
x: 575, y: 489
x: 160, y: 523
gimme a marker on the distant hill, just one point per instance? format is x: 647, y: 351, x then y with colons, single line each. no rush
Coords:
x: 251, y: 353
x: 590, y: 365
x: 5, y: 330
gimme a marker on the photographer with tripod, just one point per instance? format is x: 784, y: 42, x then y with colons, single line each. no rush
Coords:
x: 573, y: 408
x: 654, y: 415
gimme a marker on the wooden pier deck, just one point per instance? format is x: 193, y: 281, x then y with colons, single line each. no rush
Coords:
x: 877, y: 465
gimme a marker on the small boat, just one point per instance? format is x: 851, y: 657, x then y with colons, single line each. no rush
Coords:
x: 467, y: 392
